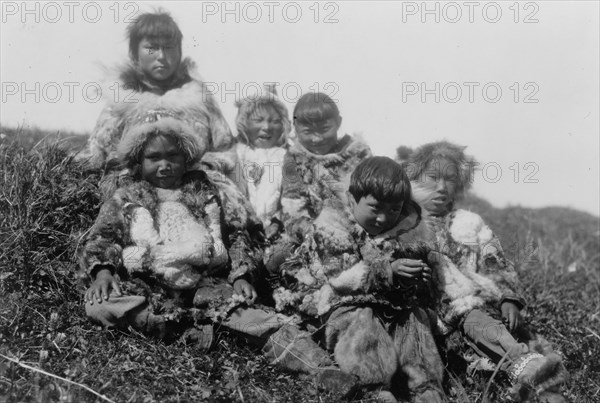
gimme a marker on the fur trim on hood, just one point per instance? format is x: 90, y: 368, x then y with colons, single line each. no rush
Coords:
x: 417, y: 162
x: 134, y: 79
x: 146, y: 121
x: 246, y: 106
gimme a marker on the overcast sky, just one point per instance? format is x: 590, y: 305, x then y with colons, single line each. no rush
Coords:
x: 518, y: 83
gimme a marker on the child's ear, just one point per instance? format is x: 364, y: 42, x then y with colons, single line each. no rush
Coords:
x: 351, y: 202
x: 339, y: 121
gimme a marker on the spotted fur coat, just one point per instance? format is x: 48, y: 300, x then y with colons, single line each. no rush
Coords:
x: 310, y: 179
x: 338, y: 263
x: 176, y: 238
x: 485, y: 278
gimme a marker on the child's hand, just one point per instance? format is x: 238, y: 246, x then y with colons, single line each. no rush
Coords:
x: 100, y: 288
x: 409, y: 270
x: 511, y: 314
x: 272, y: 231
x: 245, y: 289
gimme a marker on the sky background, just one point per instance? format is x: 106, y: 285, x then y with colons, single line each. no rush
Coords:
x: 516, y: 82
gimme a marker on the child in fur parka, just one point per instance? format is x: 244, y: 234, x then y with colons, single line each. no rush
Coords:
x: 482, y: 300
x: 160, y: 245
x: 318, y: 163
x: 362, y: 270
x: 157, y: 73
x: 263, y: 126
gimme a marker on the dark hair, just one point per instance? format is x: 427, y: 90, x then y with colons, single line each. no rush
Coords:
x: 380, y: 177
x: 315, y: 107
x: 152, y: 25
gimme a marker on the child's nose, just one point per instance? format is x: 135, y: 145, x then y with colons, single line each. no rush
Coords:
x: 164, y: 165
x: 381, y: 218
x: 442, y: 186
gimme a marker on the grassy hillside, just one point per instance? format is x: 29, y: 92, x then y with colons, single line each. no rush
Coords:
x: 50, y: 352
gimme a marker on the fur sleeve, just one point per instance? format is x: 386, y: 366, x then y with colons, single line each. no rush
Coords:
x: 294, y: 196
x: 102, y: 141
x: 469, y: 229
x: 220, y: 133
x: 104, y: 244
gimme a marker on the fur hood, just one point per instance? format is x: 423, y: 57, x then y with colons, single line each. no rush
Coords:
x: 247, y: 105
x: 132, y: 78
x: 347, y: 148
x: 146, y: 120
x: 417, y: 162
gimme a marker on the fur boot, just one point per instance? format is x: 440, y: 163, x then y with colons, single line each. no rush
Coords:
x: 535, y: 373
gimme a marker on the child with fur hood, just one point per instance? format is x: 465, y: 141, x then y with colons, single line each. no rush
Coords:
x: 318, y: 163
x: 156, y: 73
x: 263, y: 126
x: 160, y: 244
x: 481, y: 301
x: 170, y: 250
x: 362, y: 270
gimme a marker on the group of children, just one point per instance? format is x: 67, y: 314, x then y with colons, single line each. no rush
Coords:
x: 363, y: 261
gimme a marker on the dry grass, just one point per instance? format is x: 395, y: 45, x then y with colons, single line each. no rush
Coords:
x: 47, y: 202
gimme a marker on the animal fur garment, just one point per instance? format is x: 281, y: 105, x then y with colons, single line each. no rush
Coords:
x: 480, y: 276
x: 339, y: 263
x: 310, y: 179
x: 186, y: 94
x: 262, y: 178
x: 176, y: 237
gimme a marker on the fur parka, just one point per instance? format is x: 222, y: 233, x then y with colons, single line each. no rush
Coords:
x: 485, y: 278
x: 310, y: 179
x: 338, y: 263
x: 176, y: 237
x: 185, y: 93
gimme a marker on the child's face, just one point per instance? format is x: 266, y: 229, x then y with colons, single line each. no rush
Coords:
x: 375, y: 216
x: 438, y: 185
x: 158, y: 58
x: 163, y: 163
x: 264, y: 127
x: 319, y: 138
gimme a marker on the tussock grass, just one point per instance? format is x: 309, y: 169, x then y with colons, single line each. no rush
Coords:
x: 47, y: 202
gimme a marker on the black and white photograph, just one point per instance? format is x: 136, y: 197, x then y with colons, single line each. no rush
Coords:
x: 300, y: 201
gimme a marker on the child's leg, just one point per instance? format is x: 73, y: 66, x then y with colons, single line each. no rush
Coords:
x: 490, y: 338
x: 530, y: 371
x: 289, y: 347
x: 419, y: 359
x: 361, y: 345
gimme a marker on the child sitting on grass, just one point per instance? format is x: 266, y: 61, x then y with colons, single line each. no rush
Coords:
x: 481, y: 302
x: 263, y: 125
x: 160, y: 244
x: 362, y: 270
x: 156, y: 72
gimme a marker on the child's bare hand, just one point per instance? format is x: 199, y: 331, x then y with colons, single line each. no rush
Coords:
x: 101, y: 287
x: 245, y: 289
x: 411, y: 269
x: 511, y: 314
x: 272, y: 231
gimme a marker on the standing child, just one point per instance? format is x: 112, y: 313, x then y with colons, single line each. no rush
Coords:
x: 156, y: 72
x: 263, y: 125
x: 362, y: 270
x: 481, y: 301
